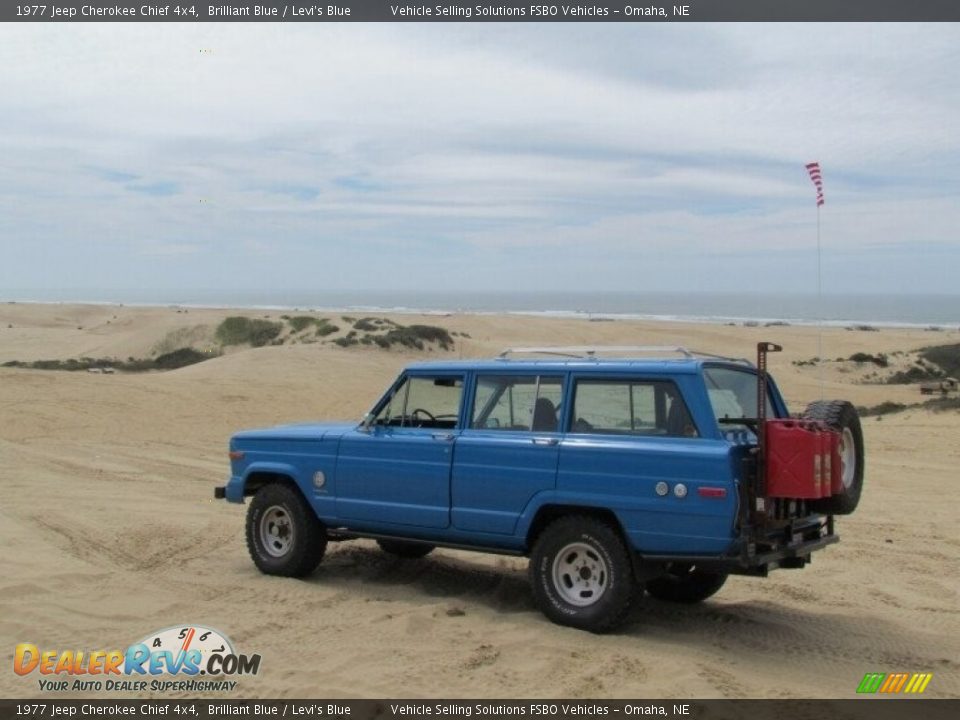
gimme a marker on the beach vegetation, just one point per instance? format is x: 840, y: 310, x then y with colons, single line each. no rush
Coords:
x: 414, y: 337
x: 240, y: 330
x: 179, y: 358
x: 880, y: 360
x: 182, y: 337
x: 299, y: 323
x: 946, y: 357
x: 325, y: 327
x: 943, y: 404
x: 366, y: 325
x: 940, y: 404
x: 914, y: 374
x: 885, y: 408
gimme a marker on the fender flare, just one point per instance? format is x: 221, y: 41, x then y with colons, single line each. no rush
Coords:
x: 548, y: 498
x: 250, y: 484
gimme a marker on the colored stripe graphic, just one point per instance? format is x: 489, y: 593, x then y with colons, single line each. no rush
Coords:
x: 891, y: 683
x: 871, y: 682
x: 894, y: 682
x: 918, y: 683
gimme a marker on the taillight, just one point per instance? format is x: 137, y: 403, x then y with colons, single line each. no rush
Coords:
x: 712, y: 492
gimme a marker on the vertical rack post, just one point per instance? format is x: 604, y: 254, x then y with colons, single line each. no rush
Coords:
x: 760, y: 490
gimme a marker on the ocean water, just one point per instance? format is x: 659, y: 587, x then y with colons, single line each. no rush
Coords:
x: 881, y: 310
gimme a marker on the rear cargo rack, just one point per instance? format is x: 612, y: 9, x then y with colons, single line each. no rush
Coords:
x: 593, y: 352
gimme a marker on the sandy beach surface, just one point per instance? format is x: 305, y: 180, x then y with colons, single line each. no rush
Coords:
x: 109, y: 530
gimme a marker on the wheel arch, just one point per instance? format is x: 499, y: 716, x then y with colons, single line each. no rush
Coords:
x: 259, y: 477
x: 546, y: 514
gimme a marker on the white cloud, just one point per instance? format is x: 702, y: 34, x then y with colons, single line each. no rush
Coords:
x: 608, y: 140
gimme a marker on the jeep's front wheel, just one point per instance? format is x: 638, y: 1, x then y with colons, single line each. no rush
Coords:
x: 581, y: 574
x: 686, y: 583
x: 284, y: 536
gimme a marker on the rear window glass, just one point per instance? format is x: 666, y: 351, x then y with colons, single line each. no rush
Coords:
x: 625, y: 407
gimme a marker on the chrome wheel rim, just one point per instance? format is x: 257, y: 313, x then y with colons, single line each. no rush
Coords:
x: 276, y: 531
x: 848, y: 458
x: 580, y: 574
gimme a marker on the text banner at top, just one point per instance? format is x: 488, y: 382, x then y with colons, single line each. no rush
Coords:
x: 492, y: 11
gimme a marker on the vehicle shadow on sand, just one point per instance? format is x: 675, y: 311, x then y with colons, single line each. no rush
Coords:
x: 751, y: 626
x: 499, y: 585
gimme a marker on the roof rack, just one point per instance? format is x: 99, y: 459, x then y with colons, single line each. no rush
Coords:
x: 591, y: 352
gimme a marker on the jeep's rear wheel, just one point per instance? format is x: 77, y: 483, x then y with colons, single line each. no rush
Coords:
x: 686, y: 583
x: 284, y: 536
x: 581, y: 574
x: 405, y: 549
x: 842, y: 416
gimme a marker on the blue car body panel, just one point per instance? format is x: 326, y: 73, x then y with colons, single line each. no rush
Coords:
x: 485, y: 487
x: 395, y: 476
x: 496, y: 475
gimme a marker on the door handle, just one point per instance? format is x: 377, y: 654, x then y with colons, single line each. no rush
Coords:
x: 447, y: 437
x: 545, y: 441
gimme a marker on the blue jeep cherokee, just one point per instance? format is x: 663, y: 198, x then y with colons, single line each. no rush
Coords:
x: 613, y: 476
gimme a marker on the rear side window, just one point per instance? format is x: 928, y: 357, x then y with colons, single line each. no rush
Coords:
x: 518, y: 402
x: 733, y: 394
x: 628, y: 407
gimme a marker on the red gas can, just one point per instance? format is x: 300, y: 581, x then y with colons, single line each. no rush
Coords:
x: 835, y: 486
x: 795, y: 460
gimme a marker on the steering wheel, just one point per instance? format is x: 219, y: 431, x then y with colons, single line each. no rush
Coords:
x: 421, y: 411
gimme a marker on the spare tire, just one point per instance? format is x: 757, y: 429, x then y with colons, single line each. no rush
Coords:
x: 841, y: 416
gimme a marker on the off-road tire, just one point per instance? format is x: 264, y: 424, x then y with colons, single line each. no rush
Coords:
x: 410, y: 550
x: 284, y: 536
x: 686, y: 583
x: 841, y: 416
x: 581, y: 574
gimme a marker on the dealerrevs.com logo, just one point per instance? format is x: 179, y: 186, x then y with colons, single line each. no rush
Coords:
x: 180, y: 658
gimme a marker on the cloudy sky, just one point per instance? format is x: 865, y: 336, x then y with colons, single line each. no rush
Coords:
x: 500, y: 157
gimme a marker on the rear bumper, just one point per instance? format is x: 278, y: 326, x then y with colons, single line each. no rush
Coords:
x: 800, y: 548
x: 789, y: 547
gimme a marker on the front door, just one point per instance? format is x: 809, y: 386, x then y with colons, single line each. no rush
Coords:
x: 396, y: 471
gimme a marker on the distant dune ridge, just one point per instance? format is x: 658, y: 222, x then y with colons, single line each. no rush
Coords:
x: 109, y: 530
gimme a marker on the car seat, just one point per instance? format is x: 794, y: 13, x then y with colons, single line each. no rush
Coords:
x: 544, y: 416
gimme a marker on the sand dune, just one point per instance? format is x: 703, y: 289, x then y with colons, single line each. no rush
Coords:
x: 109, y: 531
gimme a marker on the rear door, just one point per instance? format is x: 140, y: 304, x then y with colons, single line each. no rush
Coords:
x: 509, y: 450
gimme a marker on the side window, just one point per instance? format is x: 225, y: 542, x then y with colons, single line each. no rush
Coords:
x: 518, y: 402
x: 733, y: 393
x: 627, y: 407
x: 423, y: 402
